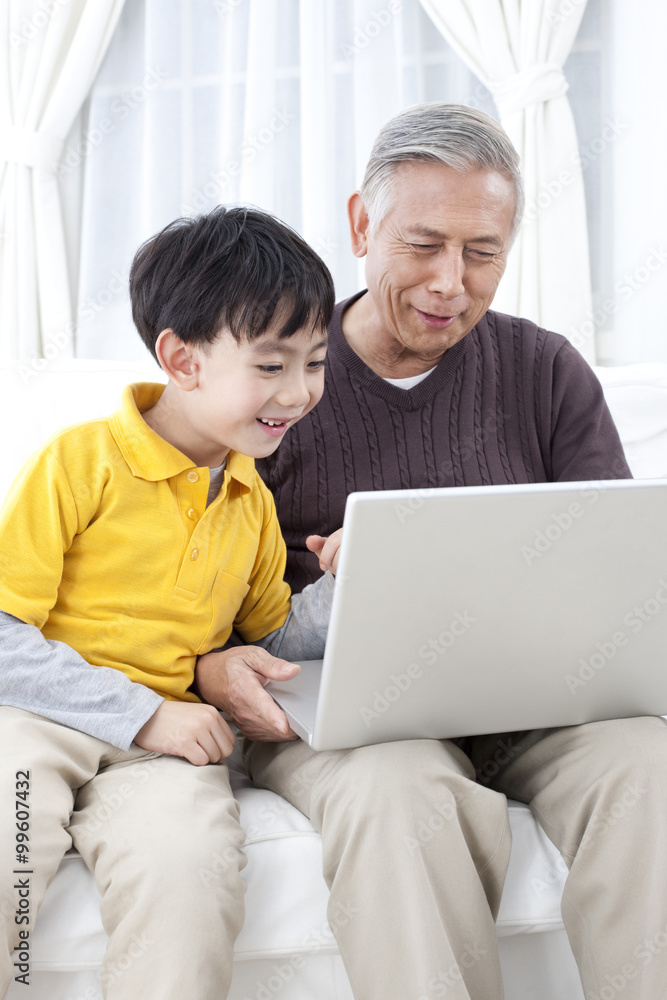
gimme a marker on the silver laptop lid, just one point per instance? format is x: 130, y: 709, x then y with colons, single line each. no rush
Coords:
x: 492, y: 609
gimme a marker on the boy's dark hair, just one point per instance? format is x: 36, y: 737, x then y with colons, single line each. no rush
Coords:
x: 230, y: 269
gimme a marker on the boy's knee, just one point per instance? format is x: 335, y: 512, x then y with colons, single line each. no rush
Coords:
x: 219, y: 868
x: 198, y: 861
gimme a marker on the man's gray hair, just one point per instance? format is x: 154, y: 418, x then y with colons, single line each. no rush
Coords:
x: 460, y: 137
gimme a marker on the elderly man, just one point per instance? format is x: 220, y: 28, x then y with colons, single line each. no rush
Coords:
x: 427, y: 387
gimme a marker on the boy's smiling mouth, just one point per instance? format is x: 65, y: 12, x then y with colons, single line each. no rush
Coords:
x: 274, y: 427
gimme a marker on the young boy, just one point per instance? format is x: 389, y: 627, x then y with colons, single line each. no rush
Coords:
x: 128, y: 547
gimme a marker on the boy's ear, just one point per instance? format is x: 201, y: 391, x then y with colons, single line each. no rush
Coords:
x: 176, y: 360
x: 358, y: 219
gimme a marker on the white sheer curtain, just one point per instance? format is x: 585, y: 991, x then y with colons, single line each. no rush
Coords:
x: 630, y: 303
x: 518, y: 49
x: 273, y: 102
x: 261, y: 102
x: 49, y: 56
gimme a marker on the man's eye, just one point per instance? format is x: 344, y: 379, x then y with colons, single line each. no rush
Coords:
x: 270, y: 369
x: 424, y: 246
x: 481, y: 254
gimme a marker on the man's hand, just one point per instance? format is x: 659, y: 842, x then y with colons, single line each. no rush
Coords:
x: 196, y: 732
x: 234, y: 680
x: 326, y: 549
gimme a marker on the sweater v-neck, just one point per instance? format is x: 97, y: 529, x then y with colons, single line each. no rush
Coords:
x: 405, y: 399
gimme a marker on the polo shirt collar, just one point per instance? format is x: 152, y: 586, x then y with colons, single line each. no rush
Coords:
x: 147, y: 454
x: 242, y: 469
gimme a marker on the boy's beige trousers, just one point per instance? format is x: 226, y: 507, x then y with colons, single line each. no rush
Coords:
x: 161, y: 836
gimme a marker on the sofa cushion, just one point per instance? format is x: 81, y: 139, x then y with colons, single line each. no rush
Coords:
x: 286, y: 900
x: 287, y: 896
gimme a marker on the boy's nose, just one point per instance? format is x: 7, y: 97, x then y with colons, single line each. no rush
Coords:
x: 293, y: 393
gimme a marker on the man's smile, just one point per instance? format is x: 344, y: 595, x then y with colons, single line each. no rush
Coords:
x: 439, y: 322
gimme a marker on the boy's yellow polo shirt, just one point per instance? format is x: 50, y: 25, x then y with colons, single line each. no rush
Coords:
x: 106, y: 544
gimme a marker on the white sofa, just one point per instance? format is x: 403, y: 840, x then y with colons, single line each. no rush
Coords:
x: 286, y: 949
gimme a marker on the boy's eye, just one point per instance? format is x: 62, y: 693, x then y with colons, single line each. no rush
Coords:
x: 317, y: 365
x: 270, y: 369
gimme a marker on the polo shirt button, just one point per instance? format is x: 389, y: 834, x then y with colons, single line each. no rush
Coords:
x: 193, y: 476
x: 192, y: 514
x: 194, y: 554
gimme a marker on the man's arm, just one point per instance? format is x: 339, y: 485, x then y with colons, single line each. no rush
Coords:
x: 583, y: 441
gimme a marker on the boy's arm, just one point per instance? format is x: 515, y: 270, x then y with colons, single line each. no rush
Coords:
x: 51, y: 679
x: 304, y: 633
x: 234, y: 679
x: 45, y: 509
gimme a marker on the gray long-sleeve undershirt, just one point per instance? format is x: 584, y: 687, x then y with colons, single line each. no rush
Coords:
x: 51, y: 679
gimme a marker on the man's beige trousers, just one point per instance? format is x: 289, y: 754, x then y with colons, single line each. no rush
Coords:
x: 416, y: 851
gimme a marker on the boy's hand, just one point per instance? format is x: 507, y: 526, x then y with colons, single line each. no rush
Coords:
x: 196, y: 732
x: 234, y: 680
x: 326, y: 549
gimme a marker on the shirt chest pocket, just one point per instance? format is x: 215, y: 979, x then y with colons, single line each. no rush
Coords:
x: 226, y: 597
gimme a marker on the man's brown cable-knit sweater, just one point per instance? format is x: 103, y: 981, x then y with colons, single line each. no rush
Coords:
x: 510, y: 403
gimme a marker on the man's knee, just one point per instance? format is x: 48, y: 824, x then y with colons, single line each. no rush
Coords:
x: 405, y: 764
x: 619, y: 748
x: 626, y: 763
x: 398, y: 788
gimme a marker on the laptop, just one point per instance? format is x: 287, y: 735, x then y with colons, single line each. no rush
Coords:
x: 490, y: 609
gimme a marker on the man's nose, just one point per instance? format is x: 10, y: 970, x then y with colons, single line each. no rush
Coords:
x: 447, y: 274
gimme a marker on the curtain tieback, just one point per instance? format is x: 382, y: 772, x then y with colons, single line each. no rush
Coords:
x: 534, y: 85
x: 30, y: 149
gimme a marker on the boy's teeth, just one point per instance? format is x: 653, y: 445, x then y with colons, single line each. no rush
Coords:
x: 272, y: 423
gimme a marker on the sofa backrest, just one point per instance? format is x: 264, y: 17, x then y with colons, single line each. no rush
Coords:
x: 637, y: 398
x: 36, y: 401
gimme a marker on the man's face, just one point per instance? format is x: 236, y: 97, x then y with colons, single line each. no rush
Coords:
x: 434, y: 262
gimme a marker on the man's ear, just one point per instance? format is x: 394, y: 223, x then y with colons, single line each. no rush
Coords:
x: 176, y: 360
x: 358, y: 218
